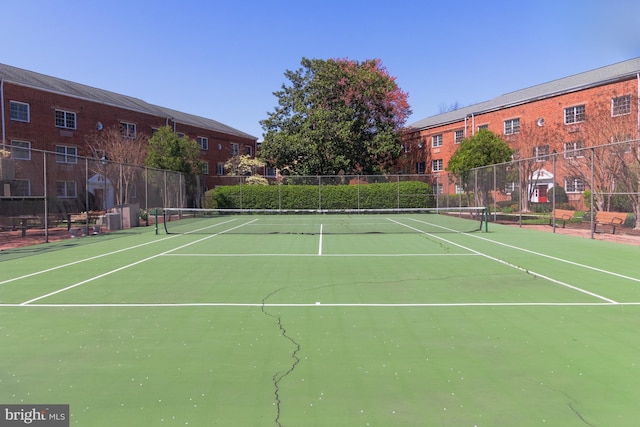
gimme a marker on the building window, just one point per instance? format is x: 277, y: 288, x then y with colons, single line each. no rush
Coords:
x: 205, y: 168
x: 510, y: 187
x: 436, y: 165
x: 436, y: 141
x: 66, y: 154
x: 203, y: 142
x: 66, y: 189
x: 459, y: 189
x: 541, y: 153
x: 485, y: 127
x: 270, y: 171
x: 235, y: 149
x: 458, y: 136
x: 248, y: 150
x: 128, y: 130
x: 573, y: 149
x: 20, y: 150
x: 420, y: 167
x: 406, y: 148
x: 511, y: 126
x: 21, y: 187
x: 220, y: 168
x: 573, y: 184
x: 621, y: 105
x: 65, y: 119
x: 439, y: 188
x: 180, y: 134
x: 574, y: 114
x: 19, y: 111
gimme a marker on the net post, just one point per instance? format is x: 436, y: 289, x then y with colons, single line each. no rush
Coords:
x: 156, y: 220
x: 486, y: 220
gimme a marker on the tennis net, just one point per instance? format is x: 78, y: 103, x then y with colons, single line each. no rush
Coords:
x: 328, y: 221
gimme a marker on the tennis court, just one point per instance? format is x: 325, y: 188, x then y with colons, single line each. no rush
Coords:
x: 316, y: 320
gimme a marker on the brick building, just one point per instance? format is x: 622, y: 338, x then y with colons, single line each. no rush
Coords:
x: 41, y: 112
x: 554, y: 118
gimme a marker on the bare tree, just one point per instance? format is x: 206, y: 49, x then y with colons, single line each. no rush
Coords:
x: 534, y: 145
x: 120, y: 158
x: 609, y: 139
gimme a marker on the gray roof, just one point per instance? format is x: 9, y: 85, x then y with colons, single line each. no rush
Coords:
x: 611, y: 73
x: 77, y: 90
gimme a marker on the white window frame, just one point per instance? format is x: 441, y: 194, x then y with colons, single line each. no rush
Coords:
x: 66, y: 154
x: 458, y: 136
x: 205, y: 168
x: 459, y: 188
x: 20, y: 150
x: 437, y: 165
x: 621, y: 105
x: 575, y: 114
x: 436, y: 141
x: 512, y: 126
x: 128, y: 129
x: 235, y: 149
x: 573, y: 184
x: 439, y: 188
x: 65, y: 119
x: 203, y: 142
x: 66, y: 189
x: 220, y: 168
x: 20, y: 111
x: 541, y: 153
x: 573, y: 150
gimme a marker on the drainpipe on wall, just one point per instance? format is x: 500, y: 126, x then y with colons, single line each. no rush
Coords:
x: 2, y: 111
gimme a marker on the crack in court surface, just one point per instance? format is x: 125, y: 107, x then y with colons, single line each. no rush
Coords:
x: 280, y: 375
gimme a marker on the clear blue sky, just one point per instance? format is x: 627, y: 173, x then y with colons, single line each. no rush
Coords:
x: 224, y: 59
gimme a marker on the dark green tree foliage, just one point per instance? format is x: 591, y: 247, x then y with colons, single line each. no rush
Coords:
x: 485, y: 148
x: 335, y: 116
x: 172, y: 152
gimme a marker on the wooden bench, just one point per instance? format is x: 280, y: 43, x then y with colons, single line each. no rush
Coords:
x: 22, y: 223
x: 563, y: 215
x: 613, y: 219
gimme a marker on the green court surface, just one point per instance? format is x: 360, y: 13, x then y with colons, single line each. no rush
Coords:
x: 324, y: 320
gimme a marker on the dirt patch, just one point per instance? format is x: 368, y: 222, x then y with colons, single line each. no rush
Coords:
x: 14, y: 239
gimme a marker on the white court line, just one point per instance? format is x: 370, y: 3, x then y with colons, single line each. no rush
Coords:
x: 508, y: 264
x: 320, y: 242
x: 130, y: 265
x: 98, y: 256
x: 259, y: 304
x: 566, y: 261
x: 315, y: 255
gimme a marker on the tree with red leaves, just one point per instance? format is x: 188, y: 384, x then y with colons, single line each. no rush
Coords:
x: 336, y: 116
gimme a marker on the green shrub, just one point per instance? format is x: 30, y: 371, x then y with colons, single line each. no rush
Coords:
x: 405, y: 194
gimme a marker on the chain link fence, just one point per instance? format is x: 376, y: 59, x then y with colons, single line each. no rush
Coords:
x: 44, y: 191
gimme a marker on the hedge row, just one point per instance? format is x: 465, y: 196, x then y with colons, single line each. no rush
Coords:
x: 405, y: 194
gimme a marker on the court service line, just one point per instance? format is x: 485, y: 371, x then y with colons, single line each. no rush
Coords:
x: 508, y: 264
x: 57, y: 267
x: 129, y: 265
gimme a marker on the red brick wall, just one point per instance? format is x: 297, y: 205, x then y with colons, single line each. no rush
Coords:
x: 44, y: 135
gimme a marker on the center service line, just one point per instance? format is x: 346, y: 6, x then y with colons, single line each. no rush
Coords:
x: 320, y: 242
